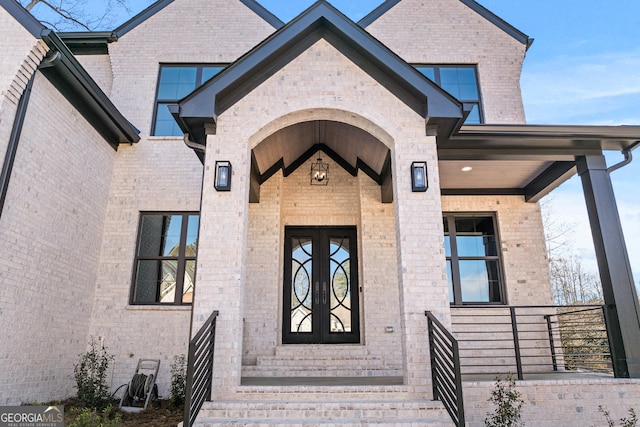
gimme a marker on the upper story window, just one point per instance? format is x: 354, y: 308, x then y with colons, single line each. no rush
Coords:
x: 473, y: 259
x: 174, y: 83
x: 460, y: 81
x: 165, y: 264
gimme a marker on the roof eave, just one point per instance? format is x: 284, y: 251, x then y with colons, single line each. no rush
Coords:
x: 72, y: 80
x: 88, y: 42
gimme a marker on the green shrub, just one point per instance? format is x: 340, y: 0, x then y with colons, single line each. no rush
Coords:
x: 91, y: 376
x: 90, y: 417
x: 508, y: 404
x: 178, y: 380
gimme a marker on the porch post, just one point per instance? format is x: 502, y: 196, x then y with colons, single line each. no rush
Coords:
x: 613, y: 263
x: 421, y: 260
x: 221, y: 258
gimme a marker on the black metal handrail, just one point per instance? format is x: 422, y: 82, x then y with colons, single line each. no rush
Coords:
x: 531, y: 339
x: 445, y: 369
x: 199, y: 370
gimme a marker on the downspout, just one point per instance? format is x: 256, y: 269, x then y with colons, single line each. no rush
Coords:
x: 14, y: 139
x: 628, y: 157
x: 195, y: 146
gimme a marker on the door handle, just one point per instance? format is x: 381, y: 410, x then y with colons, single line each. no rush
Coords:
x: 317, y: 293
x: 324, y: 292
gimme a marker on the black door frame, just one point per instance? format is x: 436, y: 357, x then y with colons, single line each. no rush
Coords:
x: 321, y: 333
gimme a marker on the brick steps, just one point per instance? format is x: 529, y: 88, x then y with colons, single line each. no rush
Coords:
x: 318, y: 361
x: 333, y: 410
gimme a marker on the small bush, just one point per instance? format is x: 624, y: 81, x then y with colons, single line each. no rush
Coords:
x: 508, y: 404
x: 91, y: 376
x: 89, y: 417
x: 624, y: 422
x: 178, y: 380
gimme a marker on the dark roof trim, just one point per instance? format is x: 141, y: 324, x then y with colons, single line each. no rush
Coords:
x: 88, y: 43
x: 549, y: 180
x: 553, y: 136
x: 28, y: 21
x: 320, y: 21
x: 75, y: 84
x: 14, y: 140
x: 478, y: 8
x: 499, y: 22
x: 141, y: 17
x: 263, y: 13
x: 377, y: 13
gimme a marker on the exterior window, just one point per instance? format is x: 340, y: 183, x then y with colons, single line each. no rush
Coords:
x: 174, y: 83
x: 165, y: 264
x: 461, y: 82
x: 473, y: 260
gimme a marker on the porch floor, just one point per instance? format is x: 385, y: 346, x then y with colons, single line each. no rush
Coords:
x: 322, y: 381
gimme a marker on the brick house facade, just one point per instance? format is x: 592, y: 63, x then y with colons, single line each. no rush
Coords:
x: 111, y: 139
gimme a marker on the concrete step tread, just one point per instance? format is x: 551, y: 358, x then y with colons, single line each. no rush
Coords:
x: 329, y: 404
x: 397, y: 422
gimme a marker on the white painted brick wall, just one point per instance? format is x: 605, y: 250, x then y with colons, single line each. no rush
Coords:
x: 99, y: 68
x: 51, y: 229
x: 552, y: 403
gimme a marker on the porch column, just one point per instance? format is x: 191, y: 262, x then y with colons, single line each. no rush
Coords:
x: 613, y: 263
x: 221, y: 258
x: 421, y: 260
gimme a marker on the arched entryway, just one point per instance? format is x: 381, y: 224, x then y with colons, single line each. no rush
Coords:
x: 321, y: 259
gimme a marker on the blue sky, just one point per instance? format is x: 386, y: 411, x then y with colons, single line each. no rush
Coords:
x: 583, y: 68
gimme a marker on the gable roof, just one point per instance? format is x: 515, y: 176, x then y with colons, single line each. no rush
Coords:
x: 321, y: 21
x: 478, y: 8
x: 161, y: 4
x: 74, y: 83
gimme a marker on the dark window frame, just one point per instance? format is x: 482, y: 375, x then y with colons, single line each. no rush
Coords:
x: 182, y: 259
x: 166, y: 101
x: 437, y: 80
x: 450, y: 217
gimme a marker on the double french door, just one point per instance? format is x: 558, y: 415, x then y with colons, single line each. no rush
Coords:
x: 320, y: 286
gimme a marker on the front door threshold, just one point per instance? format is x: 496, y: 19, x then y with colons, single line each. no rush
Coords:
x: 322, y: 381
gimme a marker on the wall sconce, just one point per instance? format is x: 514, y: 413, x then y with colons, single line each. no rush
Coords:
x: 419, y: 176
x: 222, y: 179
x: 319, y: 173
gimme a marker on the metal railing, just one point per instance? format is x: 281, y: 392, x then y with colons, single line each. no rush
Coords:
x: 445, y: 369
x: 199, y: 370
x: 584, y: 342
x: 531, y: 339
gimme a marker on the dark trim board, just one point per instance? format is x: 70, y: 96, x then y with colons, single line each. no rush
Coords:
x: 377, y: 13
x: 76, y: 85
x: 14, y: 140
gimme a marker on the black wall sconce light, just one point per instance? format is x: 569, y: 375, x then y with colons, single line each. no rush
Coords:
x: 222, y: 179
x: 419, y: 180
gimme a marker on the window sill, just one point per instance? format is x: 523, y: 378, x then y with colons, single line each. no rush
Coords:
x: 151, y: 307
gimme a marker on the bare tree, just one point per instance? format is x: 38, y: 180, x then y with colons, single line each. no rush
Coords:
x: 70, y: 15
x: 571, y: 282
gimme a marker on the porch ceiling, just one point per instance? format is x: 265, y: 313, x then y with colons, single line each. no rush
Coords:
x: 352, y: 147
x: 528, y: 160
